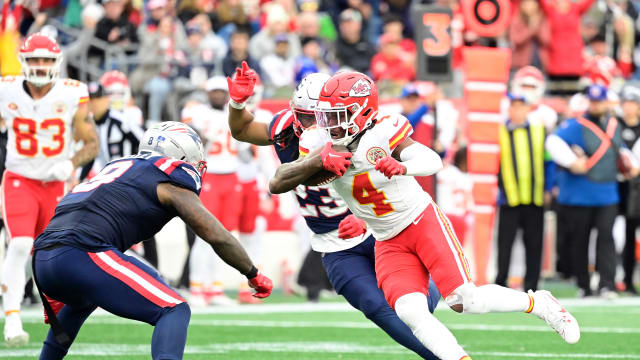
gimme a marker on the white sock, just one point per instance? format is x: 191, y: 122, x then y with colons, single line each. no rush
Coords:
x: 14, y: 273
x: 252, y: 242
x: 413, y: 310
x: 490, y: 298
x: 199, y: 262
x: 216, y: 283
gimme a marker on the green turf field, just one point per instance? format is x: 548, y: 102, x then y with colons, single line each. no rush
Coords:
x: 332, y: 330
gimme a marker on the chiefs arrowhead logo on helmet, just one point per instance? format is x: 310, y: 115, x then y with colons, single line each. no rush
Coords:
x: 361, y: 88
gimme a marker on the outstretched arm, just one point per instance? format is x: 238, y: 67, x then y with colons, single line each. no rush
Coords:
x: 245, y: 129
x: 191, y: 210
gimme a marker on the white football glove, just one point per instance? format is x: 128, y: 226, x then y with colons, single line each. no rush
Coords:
x: 61, y: 171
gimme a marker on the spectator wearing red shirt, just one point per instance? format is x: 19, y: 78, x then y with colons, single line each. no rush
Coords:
x: 565, y: 51
x: 390, y: 66
x: 528, y: 32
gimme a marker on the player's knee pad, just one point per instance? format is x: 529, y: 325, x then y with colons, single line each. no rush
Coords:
x: 412, y: 309
x: 471, y: 297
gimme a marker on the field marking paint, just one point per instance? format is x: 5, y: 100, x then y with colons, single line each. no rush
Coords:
x: 291, y: 347
x: 358, y: 325
x: 601, y: 304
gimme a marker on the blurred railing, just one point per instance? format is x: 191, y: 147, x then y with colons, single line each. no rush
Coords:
x: 115, y: 56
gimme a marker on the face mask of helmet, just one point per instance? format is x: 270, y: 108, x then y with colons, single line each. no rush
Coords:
x: 40, y: 70
x: 338, y: 122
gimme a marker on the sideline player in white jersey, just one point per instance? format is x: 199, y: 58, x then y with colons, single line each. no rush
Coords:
x: 256, y: 166
x: 346, y: 246
x: 43, y: 115
x: 414, y: 238
x: 116, y: 87
x: 220, y: 189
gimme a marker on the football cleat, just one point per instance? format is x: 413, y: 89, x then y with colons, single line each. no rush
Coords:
x: 547, y: 308
x: 197, y: 299
x: 221, y: 299
x: 14, y: 335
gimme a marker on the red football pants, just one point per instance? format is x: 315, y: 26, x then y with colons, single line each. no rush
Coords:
x: 28, y: 204
x: 428, y: 246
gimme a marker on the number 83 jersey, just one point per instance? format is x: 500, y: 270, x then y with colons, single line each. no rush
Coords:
x: 40, y: 131
x: 386, y: 205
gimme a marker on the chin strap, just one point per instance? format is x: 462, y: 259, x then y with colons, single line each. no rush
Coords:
x: 359, y: 135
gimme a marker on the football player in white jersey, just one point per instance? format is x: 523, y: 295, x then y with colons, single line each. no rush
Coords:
x: 219, y: 189
x: 345, y: 244
x: 44, y: 115
x: 414, y: 238
x: 116, y: 86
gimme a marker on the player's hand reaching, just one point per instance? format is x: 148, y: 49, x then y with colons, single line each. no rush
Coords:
x: 351, y: 227
x: 241, y: 86
x: 390, y: 167
x: 334, y: 161
x: 61, y: 171
x: 262, y: 284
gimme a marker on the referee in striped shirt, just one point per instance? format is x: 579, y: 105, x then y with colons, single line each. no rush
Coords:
x: 119, y: 137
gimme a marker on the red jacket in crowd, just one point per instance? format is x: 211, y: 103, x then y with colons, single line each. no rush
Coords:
x: 565, y: 48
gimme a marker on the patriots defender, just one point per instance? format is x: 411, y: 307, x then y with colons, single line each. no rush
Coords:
x: 347, y: 250
x: 415, y: 240
x: 78, y: 259
x: 43, y: 115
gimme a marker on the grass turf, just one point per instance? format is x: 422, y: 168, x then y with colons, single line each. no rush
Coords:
x: 610, y: 331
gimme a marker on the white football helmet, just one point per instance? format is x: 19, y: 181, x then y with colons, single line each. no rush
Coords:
x: 39, y: 45
x: 305, y: 98
x: 175, y: 140
x: 529, y: 83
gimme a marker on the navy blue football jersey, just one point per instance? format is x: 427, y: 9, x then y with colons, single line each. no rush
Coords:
x: 321, y: 207
x: 286, y: 152
x: 119, y: 207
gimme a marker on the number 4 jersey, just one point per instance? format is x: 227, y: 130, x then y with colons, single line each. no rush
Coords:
x: 119, y: 207
x: 386, y: 205
x: 40, y: 131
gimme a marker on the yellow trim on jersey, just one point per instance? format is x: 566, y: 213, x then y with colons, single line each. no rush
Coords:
x: 454, y: 240
x: 303, y: 152
x: 83, y: 100
x: 403, y: 134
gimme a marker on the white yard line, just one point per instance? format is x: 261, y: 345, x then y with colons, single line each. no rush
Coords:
x: 354, y: 325
x: 578, y: 304
x: 291, y: 347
